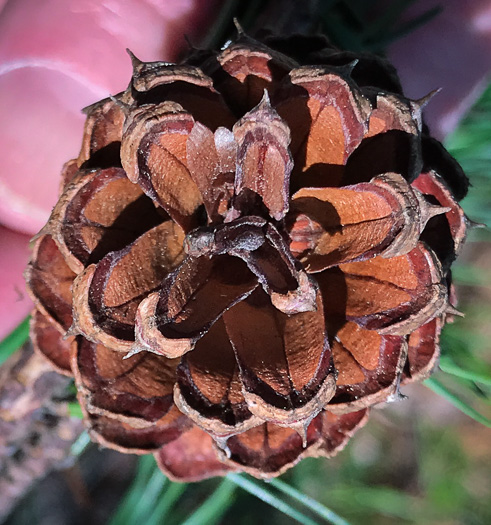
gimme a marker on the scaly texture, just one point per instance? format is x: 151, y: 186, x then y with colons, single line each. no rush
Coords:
x: 247, y: 254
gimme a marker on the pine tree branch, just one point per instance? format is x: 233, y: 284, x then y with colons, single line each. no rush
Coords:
x: 36, y: 431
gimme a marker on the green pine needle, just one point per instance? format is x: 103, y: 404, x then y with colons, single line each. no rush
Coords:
x: 309, y: 502
x: 150, y: 497
x: 14, y: 340
x: 165, y: 503
x: 387, y: 19
x: 449, y: 366
x: 468, y: 275
x: 80, y: 444
x: 214, y: 507
x: 74, y: 410
x: 442, y: 390
x: 268, y: 497
x: 380, y: 500
x: 134, y: 502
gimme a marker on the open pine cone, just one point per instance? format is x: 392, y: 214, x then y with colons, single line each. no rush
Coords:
x: 247, y: 254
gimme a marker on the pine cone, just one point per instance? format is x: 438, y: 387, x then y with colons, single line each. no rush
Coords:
x: 247, y: 254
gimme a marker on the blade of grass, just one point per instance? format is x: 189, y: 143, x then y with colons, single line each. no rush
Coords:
x: 270, y: 498
x: 165, y: 503
x: 14, y: 340
x: 437, y: 387
x: 215, y: 506
x: 309, y: 502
